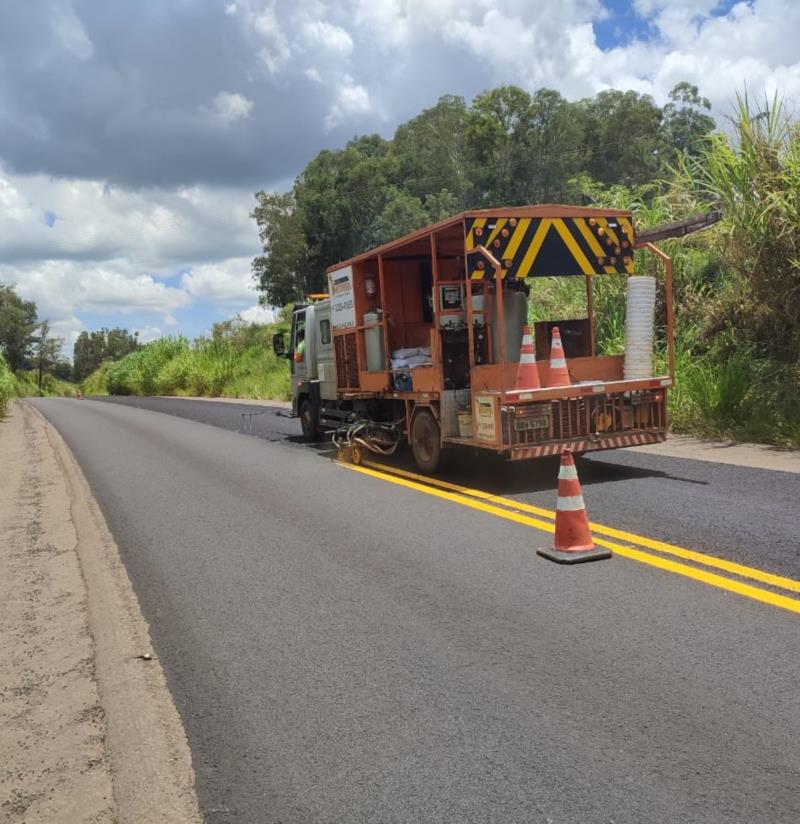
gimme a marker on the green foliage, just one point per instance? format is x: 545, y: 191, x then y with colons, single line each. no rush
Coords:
x: 508, y: 147
x: 556, y: 299
x: 685, y: 123
x: 17, y: 327
x: 137, y: 373
x: 282, y: 272
x: 8, y: 385
x: 97, y: 382
x: 433, y: 154
x: 754, y: 175
x: 236, y: 361
x: 47, y: 358
x: 92, y: 348
x: 624, y: 142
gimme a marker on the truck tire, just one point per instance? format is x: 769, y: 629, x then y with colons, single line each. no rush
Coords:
x: 426, y: 444
x: 309, y: 420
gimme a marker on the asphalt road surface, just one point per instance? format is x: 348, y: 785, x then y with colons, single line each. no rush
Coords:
x: 344, y: 646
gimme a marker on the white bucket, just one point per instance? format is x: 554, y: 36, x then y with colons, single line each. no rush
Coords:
x: 639, y: 327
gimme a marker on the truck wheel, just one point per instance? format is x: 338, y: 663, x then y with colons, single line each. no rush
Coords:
x: 426, y: 441
x: 309, y: 421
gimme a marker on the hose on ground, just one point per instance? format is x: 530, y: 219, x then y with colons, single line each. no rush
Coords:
x: 380, y: 438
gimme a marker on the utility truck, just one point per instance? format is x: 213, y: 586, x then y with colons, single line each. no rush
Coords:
x: 419, y: 341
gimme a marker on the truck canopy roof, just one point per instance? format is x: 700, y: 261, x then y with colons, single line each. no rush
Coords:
x: 524, y: 241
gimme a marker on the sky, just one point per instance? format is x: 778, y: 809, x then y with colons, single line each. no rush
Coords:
x: 134, y: 133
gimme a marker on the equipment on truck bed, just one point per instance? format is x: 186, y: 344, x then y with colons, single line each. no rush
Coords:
x: 421, y: 339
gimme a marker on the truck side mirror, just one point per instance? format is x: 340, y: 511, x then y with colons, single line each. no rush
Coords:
x: 278, y: 345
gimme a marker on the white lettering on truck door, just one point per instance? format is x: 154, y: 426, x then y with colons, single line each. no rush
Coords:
x: 343, y: 308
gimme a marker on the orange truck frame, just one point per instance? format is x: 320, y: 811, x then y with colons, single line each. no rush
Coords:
x: 455, y: 295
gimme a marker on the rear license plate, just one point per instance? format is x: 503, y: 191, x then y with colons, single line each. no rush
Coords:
x: 522, y: 424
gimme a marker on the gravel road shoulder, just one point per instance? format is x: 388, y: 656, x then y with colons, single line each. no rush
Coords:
x: 88, y: 729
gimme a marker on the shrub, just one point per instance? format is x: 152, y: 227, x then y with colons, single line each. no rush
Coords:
x: 8, y: 386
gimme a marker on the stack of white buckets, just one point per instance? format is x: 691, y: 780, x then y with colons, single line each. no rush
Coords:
x: 639, y: 327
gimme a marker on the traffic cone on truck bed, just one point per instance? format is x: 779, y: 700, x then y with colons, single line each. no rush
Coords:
x: 528, y: 372
x: 559, y: 376
x: 573, y: 542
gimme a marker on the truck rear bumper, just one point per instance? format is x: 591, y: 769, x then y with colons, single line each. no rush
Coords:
x: 587, y: 444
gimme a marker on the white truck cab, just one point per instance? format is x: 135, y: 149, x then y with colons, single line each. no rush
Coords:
x: 312, y: 365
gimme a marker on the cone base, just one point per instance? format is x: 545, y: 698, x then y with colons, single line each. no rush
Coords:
x: 561, y: 556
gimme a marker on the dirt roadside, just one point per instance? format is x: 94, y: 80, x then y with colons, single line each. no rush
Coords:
x: 88, y: 729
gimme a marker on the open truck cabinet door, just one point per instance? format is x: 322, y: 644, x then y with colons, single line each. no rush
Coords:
x: 427, y: 331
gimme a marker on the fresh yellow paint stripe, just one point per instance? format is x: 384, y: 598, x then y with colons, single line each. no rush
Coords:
x: 748, y: 591
x: 516, y: 238
x: 594, y: 245
x: 710, y: 578
x: 535, y: 245
x: 574, y: 248
x: 741, y: 570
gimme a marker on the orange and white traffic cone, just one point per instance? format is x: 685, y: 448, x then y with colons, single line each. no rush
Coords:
x: 528, y: 372
x: 558, y: 376
x: 573, y: 542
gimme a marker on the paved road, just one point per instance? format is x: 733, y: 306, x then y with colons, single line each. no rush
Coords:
x: 342, y: 649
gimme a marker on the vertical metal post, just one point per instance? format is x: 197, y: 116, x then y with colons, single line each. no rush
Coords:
x: 590, y: 310
x: 470, y: 330
x: 501, y: 323
x: 384, y: 322
x: 437, y: 336
x: 668, y: 301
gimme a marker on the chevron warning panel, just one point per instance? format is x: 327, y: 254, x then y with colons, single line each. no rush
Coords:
x: 542, y: 246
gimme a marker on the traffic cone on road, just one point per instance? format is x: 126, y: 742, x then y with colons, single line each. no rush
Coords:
x: 573, y: 542
x: 559, y: 376
x: 528, y: 372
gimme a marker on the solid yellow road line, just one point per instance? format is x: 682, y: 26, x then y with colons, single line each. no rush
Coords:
x: 746, y: 590
x: 741, y: 570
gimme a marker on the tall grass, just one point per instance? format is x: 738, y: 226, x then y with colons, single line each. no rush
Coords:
x: 236, y: 362
x: 23, y: 384
x: 8, y: 386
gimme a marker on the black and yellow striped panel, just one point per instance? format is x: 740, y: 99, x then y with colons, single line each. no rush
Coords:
x: 543, y: 246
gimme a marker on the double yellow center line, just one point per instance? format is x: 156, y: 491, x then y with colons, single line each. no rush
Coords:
x: 634, y: 548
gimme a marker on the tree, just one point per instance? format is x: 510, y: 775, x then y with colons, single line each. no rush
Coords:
x: 402, y: 213
x: 47, y: 352
x: 17, y: 327
x: 282, y: 274
x: 499, y: 131
x: 92, y: 348
x: 338, y: 195
x: 623, y: 139
x: 119, y: 342
x: 433, y: 153
x: 685, y: 124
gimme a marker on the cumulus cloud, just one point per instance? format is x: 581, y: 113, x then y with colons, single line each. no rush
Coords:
x: 351, y: 98
x: 257, y: 314
x: 41, y: 218
x: 228, y: 281
x: 228, y: 107
x: 148, y: 333
x: 130, y: 149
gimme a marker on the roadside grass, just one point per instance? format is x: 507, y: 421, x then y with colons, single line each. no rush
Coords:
x: 95, y: 384
x: 236, y: 362
x: 23, y: 384
x: 8, y: 386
